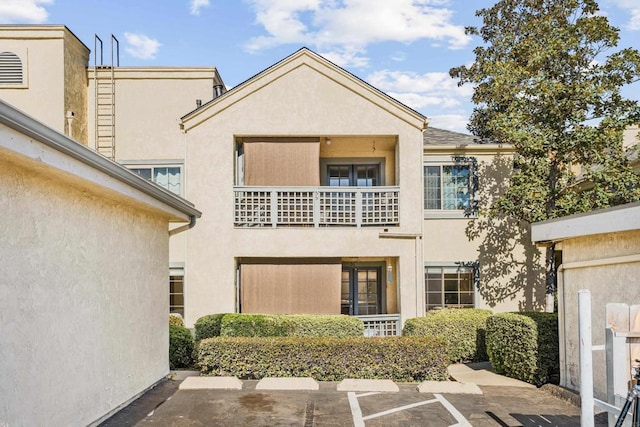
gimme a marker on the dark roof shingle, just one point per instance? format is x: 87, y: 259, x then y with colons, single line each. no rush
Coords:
x: 435, y: 136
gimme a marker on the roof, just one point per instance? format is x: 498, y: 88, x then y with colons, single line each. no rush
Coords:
x: 303, y: 55
x: 435, y: 136
x: 147, y: 192
x: 611, y: 220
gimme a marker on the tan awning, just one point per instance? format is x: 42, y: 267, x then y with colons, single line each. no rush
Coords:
x: 291, y: 288
x: 287, y: 163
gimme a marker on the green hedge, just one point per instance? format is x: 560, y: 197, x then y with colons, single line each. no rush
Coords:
x: 464, y: 330
x: 181, y: 347
x: 176, y: 320
x: 208, y: 326
x: 272, y: 325
x: 325, y: 359
x: 525, y: 346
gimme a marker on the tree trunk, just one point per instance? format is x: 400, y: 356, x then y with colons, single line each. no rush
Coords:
x: 550, y: 278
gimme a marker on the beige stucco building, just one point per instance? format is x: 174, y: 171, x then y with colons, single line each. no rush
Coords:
x: 601, y: 254
x: 319, y: 193
x: 84, y: 249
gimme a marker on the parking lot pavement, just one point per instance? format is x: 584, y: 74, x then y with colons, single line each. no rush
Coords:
x: 497, y: 406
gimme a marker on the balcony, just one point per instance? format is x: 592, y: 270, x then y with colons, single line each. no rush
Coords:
x: 316, y: 206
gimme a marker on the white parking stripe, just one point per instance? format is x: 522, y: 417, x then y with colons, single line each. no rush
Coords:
x: 398, y: 409
x: 462, y: 421
x: 355, y: 410
x: 371, y: 393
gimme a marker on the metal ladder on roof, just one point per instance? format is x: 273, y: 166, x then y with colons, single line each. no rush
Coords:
x: 105, y: 99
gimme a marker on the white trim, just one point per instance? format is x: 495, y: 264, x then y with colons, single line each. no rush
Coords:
x: 611, y: 220
x: 50, y: 148
x: 152, y: 162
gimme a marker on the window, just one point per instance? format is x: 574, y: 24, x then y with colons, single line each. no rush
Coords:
x: 447, y: 187
x: 353, y: 175
x: 169, y: 177
x: 361, y: 290
x: 176, y: 295
x: 449, y: 287
x: 352, y: 172
x: 10, y: 69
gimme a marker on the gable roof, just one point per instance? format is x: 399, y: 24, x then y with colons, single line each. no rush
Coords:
x: 435, y: 136
x: 281, y: 68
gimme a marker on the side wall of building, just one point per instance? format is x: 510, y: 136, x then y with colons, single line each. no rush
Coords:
x: 42, y: 52
x: 608, y: 265
x: 301, y: 102
x: 510, y: 269
x: 83, y: 297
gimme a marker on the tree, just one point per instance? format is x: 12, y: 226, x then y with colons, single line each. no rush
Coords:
x: 545, y: 85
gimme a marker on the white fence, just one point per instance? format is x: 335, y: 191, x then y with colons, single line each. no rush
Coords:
x: 316, y: 206
x: 381, y: 325
x: 622, y: 348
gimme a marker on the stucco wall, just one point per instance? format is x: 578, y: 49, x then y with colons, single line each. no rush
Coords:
x: 511, y: 267
x: 585, y: 266
x: 304, y: 100
x: 149, y: 104
x: 76, y: 59
x: 83, y: 300
x: 41, y: 50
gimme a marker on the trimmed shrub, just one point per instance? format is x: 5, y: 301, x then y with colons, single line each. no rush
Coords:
x: 271, y: 325
x: 463, y: 329
x: 525, y: 346
x: 175, y: 320
x: 180, y: 347
x: 253, y: 325
x: 325, y: 359
x: 337, y: 326
x: 208, y: 326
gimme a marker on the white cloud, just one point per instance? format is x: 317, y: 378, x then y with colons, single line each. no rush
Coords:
x: 633, y: 8
x: 427, y: 92
x: 420, y: 90
x: 141, y: 46
x: 349, y: 26
x: 23, y: 11
x: 196, y: 5
x: 453, y: 122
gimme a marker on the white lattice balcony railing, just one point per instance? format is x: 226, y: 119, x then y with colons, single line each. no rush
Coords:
x: 381, y: 325
x: 316, y: 206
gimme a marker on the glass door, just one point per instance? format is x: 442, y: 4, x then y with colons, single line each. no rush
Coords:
x: 361, y: 290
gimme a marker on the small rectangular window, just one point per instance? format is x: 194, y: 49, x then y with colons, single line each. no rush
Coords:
x: 169, y: 177
x: 449, y: 287
x: 447, y: 187
x: 176, y: 295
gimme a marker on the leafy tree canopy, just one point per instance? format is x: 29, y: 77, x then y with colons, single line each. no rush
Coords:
x: 544, y: 83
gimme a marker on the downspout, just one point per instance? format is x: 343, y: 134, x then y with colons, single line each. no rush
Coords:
x: 192, y: 223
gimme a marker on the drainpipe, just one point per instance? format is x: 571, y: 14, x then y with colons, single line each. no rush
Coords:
x: 192, y: 223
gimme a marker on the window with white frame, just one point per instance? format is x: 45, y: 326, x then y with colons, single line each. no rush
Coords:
x: 448, y: 187
x: 449, y: 286
x: 166, y: 176
x: 176, y: 294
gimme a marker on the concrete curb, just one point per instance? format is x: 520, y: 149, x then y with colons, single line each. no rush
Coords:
x: 204, y: 383
x: 287, y: 384
x: 448, y: 387
x: 562, y: 393
x: 367, y: 385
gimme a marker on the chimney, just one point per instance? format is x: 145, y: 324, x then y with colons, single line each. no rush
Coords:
x: 217, y: 91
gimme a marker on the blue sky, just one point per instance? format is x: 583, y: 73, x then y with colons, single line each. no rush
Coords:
x: 403, y: 47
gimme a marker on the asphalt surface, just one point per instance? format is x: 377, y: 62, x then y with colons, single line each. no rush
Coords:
x: 165, y: 405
